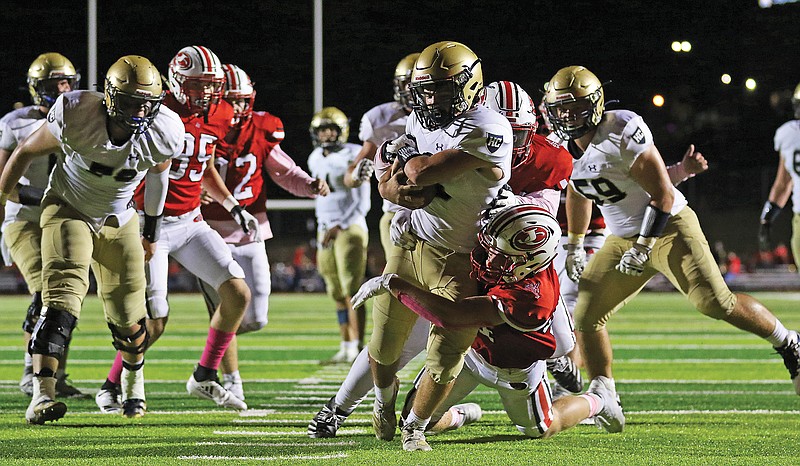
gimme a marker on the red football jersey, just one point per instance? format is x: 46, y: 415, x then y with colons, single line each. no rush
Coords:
x: 548, y: 167
x: 186, y: 172
x: 529, y: 304
x: 243, y: 164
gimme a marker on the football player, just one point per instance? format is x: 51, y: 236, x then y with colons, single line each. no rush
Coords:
x: 341, y: 225
x: 49, y: 76
x: 618, y: 167
x: 467, y: 152
x: 250, y: 150
x: 195, y: 84
x: 110, y: 143
x: 787, y: 181
x: 514, y: 262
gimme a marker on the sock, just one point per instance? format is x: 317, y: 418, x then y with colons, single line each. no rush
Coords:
x: 779, y: 336
x: 44, y: 385
x: 28, y: 360
x: 595, y: 403
x: 109, y: 385
x: 352, y: 344
x: 233, y: 376
x: 384, y: 395
x: 456, y: 418
x: 202, y: 373
x: 59, y: 373
x: 115, y: 373
x: 216, y: 345
x: 412, y: 419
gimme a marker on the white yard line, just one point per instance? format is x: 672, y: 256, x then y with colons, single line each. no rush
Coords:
x: 265, y: 458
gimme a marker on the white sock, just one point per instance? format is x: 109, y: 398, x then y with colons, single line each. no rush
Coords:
x: 343, y: 345
x: 352, y: 344
x: 779, y: 336
x: 234, y: 376
x: 412, y: 418
x: 456, y: 418
x: 28, y: 360
x: 384, y: 395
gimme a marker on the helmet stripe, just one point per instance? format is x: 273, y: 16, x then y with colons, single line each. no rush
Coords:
x: 510, y: 93
x: 205, y: 55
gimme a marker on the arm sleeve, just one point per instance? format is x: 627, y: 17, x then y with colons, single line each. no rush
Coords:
x: 155, y: 192
x: 636, y: 138
x: 283, y: 171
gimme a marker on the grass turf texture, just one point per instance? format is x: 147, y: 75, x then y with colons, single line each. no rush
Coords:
x: 696, y: 391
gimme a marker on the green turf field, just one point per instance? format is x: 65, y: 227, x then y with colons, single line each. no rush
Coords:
x: 696, y: 391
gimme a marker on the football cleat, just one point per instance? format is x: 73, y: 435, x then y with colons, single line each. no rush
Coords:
x: 43, y: 409
x: 65, y: 388
x: 26, y: 382
x: 610, y: 418
x: 791, y: 358
x: 211, y: 390
x: 413, y: 438
x: 340, y: 357
x: 327, y: 421
x: 384, y: 419
x: 108, y: 400
x: 469, y: 413
x: 234, y: 385
x: 133, y: 408
x: 566, y: 373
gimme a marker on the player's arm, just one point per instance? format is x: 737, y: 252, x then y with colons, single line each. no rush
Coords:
x: 393, y: 190
x: 155, y: 194
x: 442, y: 167
x: 778, y: 197
x: 289, y: 176
x: 579, y: 216
x: 40, y: 143
x: 693, y: 163
x: 357, y: 173
x: 215, y: 187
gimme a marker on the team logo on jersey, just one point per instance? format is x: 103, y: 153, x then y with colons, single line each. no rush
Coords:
x: 439, y: 147
x: 638, y: 135
x: 51, y: 117
x: 493, y: 142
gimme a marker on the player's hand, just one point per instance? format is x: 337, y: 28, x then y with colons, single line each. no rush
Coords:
x: 149, y: 249
x: 403, y: 147
x: 206, y: 198
x: 764, y: 237
x: 634, y: 259
x: 330, y: 235
x: 246, y: 220
x: 505, y: 198
x: 576, y: 260
x: 393, y: 188
x: 319, y: 187
x: 693, y: 162
x: 400, y: 230
x: 363, y: 171
x: 373, y: 287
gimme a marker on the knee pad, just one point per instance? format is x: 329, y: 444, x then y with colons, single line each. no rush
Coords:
x: 52, y: 332
x: 125, y: 343
x: 32, y: 315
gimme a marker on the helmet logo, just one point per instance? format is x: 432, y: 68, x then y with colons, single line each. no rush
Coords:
x: 423, y: 77
x: 566, y: 96
x: 531, y: 238
x: 183, y: 61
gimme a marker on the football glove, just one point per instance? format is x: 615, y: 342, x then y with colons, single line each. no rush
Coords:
x: 632, y: 262
x: 404, y: 147
x: 764, y: 237
x: 505, y: 198
x: 400, y: 230
x: 575, y: 261
x: 363, y: 171
x: 246, y: 220
x: 373, y: 287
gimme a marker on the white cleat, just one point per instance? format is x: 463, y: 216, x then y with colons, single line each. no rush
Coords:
x: 43, y: 409
x: 610, y: 418
x: 413, y: 438
x: 212, y: 390
x: 233, y: 385
x: 109, y: 401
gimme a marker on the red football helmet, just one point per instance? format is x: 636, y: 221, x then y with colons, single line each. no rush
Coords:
x: 510, y: 100
x: 196, y: 78
x: 239, y: 92
x: 518, y: 242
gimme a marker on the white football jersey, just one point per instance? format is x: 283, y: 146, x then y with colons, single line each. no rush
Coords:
x: 14, y: 127
x: 602, y: 173
x: 452, y: 220
x: 343, y: 206
x: 384, y: 122
x: 95, y: 176
x: 787, y: 143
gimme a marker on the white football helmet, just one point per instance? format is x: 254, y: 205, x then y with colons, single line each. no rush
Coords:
x: 518, y: 242
x: 196, y: 78
x: 510, y: 100
x: 238, y: 86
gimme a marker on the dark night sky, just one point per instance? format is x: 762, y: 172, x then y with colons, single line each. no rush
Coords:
x: 627, y: 43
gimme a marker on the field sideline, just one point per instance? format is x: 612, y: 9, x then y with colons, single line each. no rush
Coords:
x: 695, y: 391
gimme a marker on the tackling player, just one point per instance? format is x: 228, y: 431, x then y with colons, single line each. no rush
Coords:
x: 249, y: 151
x: 111, y: 142
x: 49, y: 76
x: 618, y: 167
x: 341, y: 225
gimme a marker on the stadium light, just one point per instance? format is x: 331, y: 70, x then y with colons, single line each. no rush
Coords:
x: 658, y: 100
x: 686, y: 46
x: 725, y: 78
x: 676, y: 46
x: 750, y: 84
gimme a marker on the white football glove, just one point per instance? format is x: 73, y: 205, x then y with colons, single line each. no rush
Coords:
x: 400, y: 230
x: 576, y: 260
x: 246, y: 220
x: 632, y: 262
x: 363, y: 171
x: 404, y: 146
x: 373, y: 287
x: 505, y: 198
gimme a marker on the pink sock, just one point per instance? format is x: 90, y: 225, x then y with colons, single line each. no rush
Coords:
x: 115, y: 374
x: 595, y: 403
x: 216, y: 345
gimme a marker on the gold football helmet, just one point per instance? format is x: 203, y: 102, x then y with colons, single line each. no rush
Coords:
x: 329, y: 118
x: 44, y: 76
x: 133, y: 92
x: 402, y: 76
x: 796, y: 101
x: 574, y: 101
x: 446, y: 82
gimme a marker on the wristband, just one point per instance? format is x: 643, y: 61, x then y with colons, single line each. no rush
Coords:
x: 229, y: 203
x: 152, y: 227
x: 653, y: 223
x: 30, y: 195
x: 575, y: 238
x: 770, y: 212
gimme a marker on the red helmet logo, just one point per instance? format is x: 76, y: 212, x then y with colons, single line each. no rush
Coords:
x: 531, y: 238
x: 183, y: 61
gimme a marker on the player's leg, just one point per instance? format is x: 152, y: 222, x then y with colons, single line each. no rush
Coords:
x: 561, y: 365
x: 795, y: 241
x: 208, y: 257
x: 329, y: 270
x: 350, y: 248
